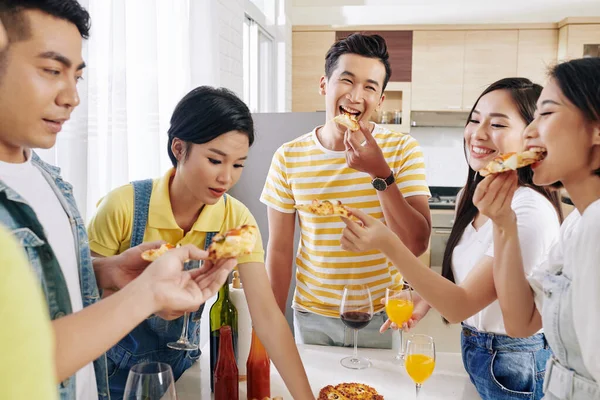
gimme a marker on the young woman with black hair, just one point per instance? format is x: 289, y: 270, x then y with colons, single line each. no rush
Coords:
x: 563, y: 294
x: 209, y: 138
x: 466, y: 293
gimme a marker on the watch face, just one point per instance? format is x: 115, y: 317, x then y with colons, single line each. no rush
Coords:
x: 379, y: 184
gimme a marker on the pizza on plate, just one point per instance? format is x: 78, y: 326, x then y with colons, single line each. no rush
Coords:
x: 513, y: 161
x: 347, y: 120
x: 325, y: 208
x: 349, y: 391
x: 233, y: 243
x: 153, y: 254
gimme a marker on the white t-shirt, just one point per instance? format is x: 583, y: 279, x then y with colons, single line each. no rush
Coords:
x: 538, y: 228
x: 578, y: 254
x: 29, y: 182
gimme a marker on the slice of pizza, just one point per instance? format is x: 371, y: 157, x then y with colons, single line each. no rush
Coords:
x: 358, y: 391
x: 153, y: 254
x: 325, y: 208
x: 347, y: 120
x: 330, y: 393
x: 513, y: 161
x: 233, y: 243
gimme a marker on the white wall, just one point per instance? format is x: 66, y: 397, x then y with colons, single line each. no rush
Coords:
x: 444, y: 156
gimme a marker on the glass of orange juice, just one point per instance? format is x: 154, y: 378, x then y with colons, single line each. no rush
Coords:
x: 420, y: 359
x: 399, y: 309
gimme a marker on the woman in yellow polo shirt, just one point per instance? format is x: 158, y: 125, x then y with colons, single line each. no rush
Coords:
x: 209, y: 139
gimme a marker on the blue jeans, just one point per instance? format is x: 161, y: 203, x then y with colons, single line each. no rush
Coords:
x: 502, y: 367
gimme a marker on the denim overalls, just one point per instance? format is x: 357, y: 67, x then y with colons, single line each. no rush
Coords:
x: 566, y: 375
x: 148, y: 341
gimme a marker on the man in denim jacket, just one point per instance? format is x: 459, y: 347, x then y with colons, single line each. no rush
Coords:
x: 38, y: 75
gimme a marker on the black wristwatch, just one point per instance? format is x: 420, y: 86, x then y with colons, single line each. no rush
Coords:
x: 382, y: 184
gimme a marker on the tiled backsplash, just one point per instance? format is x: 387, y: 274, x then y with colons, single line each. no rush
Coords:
x: 444, y: 155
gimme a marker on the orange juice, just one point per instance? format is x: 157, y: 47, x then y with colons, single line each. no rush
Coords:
x: 419, y: 367
x: 399, y: 310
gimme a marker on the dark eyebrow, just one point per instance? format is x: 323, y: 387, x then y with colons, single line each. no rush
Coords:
x: 372, y: 81
x: 497, y: 115
x: 550, y: 102
x: 219, y: 152
x: 52, y: 55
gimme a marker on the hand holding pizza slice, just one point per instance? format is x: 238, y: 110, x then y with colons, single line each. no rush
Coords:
x: 347, y: 120
x: 513, y: 161
x: 325, y: 208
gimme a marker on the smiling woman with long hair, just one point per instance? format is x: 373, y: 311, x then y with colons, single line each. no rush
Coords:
x: 563, y: 294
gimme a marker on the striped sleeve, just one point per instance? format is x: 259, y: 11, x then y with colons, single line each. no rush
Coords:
x: 277, y: 192
x: 410, y: 177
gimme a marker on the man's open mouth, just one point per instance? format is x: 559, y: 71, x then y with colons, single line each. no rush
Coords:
x: 354, y: 114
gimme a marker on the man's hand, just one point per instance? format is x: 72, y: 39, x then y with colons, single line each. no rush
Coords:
x: 420, y: 310
x: 175, y: 291
x: 368, y: 157
x: 125, y: 267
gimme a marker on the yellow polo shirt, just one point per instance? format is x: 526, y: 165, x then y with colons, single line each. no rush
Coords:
x: 110, y: 228
x: 26, y: 336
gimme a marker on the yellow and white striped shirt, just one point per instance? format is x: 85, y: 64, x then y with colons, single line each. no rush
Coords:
x: 303, y: 170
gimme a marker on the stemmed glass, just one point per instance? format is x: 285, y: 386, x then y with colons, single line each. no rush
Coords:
x: 150, y: 381
x: 183, y: 342
x: 356, y: 311
x: 420, y: 359
x: 399, y: 307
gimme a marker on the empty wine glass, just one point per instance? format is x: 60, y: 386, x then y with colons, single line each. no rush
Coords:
x: 150, y: 381
x: 356, y: 312
x: 420, y: 359
x: 399, y: 308
x: 183, y: 342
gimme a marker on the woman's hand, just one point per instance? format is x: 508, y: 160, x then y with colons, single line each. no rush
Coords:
x: 493, y: 197
x: 420, y: 310
x: 368, y: 234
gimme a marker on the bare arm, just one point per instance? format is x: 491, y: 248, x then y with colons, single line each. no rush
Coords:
x: 410, y: 218
x: 521, y: 317
x: 273, y: 329
x: 454, y: 302
x: 280, y: 254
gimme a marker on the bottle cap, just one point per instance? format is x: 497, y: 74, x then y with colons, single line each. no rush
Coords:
x: 236, y: 282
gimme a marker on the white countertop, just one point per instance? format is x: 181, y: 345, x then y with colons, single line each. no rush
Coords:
x: 322, y: 364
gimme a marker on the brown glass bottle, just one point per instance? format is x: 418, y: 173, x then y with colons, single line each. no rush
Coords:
x: 258, y: 368
x: 226, y: 371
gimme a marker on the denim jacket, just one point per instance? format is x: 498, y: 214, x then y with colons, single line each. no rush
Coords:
x: 44, y: 262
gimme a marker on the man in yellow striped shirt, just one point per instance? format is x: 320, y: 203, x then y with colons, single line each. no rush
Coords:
x: 373, y: 169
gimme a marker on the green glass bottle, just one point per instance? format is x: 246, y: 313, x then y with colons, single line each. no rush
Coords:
x: 222, y: 313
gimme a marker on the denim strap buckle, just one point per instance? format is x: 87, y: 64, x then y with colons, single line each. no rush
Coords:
x: 559, y: 380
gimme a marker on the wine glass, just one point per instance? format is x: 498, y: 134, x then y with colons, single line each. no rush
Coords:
x: 420, y: 359
x: 183, y: 342
x: 150, y: 381
x: 356, y: 312
x: 399, y: 307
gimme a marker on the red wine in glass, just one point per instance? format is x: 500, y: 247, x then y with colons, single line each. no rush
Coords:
x: 356, y: 319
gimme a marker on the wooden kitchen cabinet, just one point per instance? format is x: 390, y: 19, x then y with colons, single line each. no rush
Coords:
x: 538, y: 49
x: 308, y: 65
x: 572, y: 37
x: 489, y: 55
x: 438, y: 69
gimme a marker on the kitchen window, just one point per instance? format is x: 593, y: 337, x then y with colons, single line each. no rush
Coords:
x: 259, y: 67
